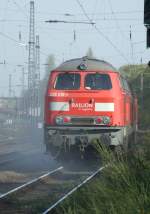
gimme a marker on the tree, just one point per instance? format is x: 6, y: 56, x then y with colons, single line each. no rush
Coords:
x: 50, y: 65
x: 131, y: 72
x: 139, y: 78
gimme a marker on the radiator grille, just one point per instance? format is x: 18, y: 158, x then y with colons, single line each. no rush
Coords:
x: 82, y: 121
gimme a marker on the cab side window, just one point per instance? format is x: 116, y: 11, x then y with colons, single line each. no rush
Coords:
x: 125, y: 84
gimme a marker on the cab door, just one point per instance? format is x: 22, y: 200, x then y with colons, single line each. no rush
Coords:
x: 127, y: 101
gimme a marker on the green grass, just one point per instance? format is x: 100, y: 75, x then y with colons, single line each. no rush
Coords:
x: 122, y: 188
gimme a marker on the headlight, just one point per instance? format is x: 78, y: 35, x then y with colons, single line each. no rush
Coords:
x: 106, y: 120
x: 62, y: 120
x: 59, y: 120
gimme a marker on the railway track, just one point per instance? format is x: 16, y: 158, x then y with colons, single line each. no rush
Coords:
x: 46, y: 192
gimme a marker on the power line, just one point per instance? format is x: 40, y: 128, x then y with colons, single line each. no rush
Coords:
x: 71, y: 14
x: 3, y: 26
x: 20, y: 8
x: 77, y: 21
x: 12, y: 39
x: 84, y: 11
x: 90, y: 14
x: 19, y: 43
x: 95, y: 6
x: 140, y: 42
x: 101, y: 33
x: 12, y: 20
x: 116, y: 21
x: 112, y: 44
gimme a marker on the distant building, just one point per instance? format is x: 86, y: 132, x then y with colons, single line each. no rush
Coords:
x: 8, y: 105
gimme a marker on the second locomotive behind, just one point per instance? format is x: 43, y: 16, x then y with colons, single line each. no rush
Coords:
x: 88, y: 99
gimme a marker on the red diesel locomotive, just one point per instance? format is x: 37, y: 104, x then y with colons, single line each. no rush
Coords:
x: 88, y: 99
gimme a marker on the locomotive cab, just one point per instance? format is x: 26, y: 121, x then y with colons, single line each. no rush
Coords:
x: 86, y: 100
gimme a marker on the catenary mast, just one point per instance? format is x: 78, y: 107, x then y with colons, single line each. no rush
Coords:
x: 37, y: 76
x: 33, y: 68
x: 31, y: 59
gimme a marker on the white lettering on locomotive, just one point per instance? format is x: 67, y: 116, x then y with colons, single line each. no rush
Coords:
x: 82, y: 105
x: 58, y: 94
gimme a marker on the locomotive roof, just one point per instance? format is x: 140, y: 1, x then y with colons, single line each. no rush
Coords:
x: 90, y: 64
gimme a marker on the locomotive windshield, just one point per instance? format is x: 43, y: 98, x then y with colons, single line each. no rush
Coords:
x: 67, y: 81
x: 98, y: 81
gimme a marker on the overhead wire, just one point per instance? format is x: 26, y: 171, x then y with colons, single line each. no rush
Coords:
x: 79, y: 20
x: 20, y: 8
x: 12, y: 20
x: 42, y: 52
x: 90, y: 14
x: 95, y: 6
x: 118, y: 19
x: 70, y: 14
x: 119, y: 29
x: 17, y: 42
x: 140, y: 42
x: 130, y: 40
x: 101, y: 33
x: 23, y: 11
x: 3, y: 47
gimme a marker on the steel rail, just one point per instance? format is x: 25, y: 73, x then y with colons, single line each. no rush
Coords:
x: 74, y: 189
x: 29, y: 183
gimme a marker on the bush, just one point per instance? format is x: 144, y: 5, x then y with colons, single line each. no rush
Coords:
x: 122, y: 188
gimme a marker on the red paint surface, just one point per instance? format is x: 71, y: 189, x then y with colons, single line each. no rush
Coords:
x: 125, y: 105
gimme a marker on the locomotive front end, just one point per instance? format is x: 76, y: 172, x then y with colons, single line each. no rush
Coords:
x: 83, y: 102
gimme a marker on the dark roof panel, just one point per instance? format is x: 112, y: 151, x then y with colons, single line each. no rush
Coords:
x: 91, y: 64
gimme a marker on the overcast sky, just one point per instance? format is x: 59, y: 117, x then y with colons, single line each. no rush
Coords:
x: 109, y: 38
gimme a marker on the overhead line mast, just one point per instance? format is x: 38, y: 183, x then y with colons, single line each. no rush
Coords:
x: 33, y: 69
x: 37, y: 76
x: 31, y: 59
x: 31, y: 65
